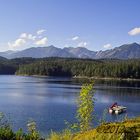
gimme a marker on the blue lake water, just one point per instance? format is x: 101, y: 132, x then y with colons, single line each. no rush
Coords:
x: 50, y: 100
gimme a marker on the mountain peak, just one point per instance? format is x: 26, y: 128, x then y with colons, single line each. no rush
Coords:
x: 125, y: 51
x: 135, y: 44
x: 51, y: 46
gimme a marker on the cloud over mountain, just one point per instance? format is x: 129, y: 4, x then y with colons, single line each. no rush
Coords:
x: 126, y: 51
x: 17, y: 43
x: 82, y: 44
x: 107, y: 46
x: 42, y: 41
x: 28, y: 39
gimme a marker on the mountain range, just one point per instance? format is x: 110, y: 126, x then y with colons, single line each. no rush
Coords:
x: 126, y: 51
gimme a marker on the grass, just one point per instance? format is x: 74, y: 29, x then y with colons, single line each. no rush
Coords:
x: 128, y: 129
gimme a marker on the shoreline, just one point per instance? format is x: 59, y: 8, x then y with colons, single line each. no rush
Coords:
x: 106, y: 78
x: 85, y: 77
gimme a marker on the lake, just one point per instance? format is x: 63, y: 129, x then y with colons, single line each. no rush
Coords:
x: 50, y: 100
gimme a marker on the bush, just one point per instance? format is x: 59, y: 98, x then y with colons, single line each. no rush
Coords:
x: 85, y: 107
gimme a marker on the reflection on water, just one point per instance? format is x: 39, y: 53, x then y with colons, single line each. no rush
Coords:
x: 50, y: 101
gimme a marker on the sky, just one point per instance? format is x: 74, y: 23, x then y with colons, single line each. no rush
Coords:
x: 94, y: 24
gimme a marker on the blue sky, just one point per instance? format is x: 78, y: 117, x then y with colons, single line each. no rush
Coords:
x: 94, y: 24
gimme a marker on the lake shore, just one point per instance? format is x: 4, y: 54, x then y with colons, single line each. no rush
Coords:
x: 105, y: 78
x: 90, y: 78
x: 85, y: 77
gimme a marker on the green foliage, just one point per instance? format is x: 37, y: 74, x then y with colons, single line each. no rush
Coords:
x: 54, y: 136
x: 33, y: 133
x: 65, y: 135
x: 126, y: 130
x: 19, y: 134
x: 11, y: 66
x: 82, y: 67
x: 72, y: 67
x: 85, y: 107
x: 6, y: 132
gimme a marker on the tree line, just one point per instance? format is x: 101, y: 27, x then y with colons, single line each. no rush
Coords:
x: 82, y: 67
x: 72, y: 67
x: 8, y: 66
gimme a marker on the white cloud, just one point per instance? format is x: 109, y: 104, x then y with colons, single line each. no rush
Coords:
x: 66, y: 46
x: 39, y: 32
x: 31, y: 37
x: 43, y: 41
x: 19, y: 42
x: 107, y: 46
x: 28, y: 36
x: 23, y: 35
x: 82, y: 44
x: 75, y: 38
x: 26, y: 40
x: 134, y: 31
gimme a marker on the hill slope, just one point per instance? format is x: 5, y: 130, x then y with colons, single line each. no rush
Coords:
x: 127, y: 130
x: 126, y: 51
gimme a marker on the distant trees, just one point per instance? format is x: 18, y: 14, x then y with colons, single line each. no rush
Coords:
x: 82, y: 67
x: 7, y: 69
x: 72, y: 67
x: 11, y: 66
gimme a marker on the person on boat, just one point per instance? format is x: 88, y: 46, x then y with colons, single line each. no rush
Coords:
x: 114, y: 105
x: 111, y: 108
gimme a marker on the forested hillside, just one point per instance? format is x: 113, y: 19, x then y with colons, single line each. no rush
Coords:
x: 82, y: 67
x: 72, y: 67
x: 11, y: 66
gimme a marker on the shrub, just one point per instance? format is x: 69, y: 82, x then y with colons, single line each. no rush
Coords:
x: 85, y: 107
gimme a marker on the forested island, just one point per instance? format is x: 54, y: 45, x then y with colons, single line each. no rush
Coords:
x: 72, y: 67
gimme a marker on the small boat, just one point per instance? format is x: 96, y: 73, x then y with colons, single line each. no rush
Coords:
x: 115, y: 108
